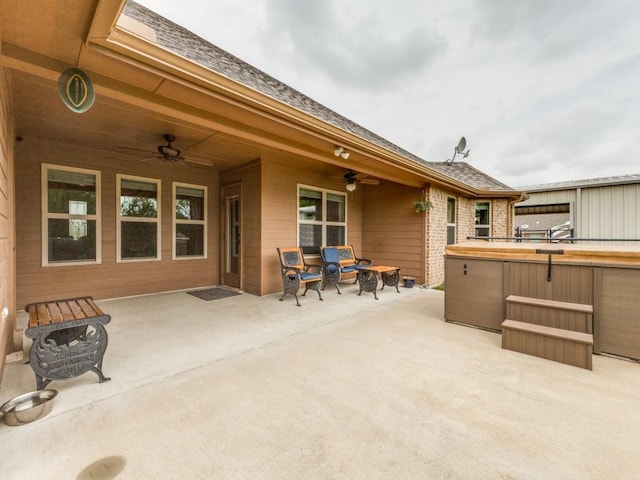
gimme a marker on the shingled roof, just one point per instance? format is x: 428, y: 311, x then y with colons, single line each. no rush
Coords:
x: 469, y: 175
x: 186, y: 44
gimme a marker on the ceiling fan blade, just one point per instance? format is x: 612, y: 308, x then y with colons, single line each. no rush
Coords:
x: 369, y: 181
x: 135, y: 149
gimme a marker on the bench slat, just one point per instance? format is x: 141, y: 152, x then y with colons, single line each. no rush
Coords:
x: 54, y: 312
x: 97, y: 310
x: 42, y: 315
x: 86, y: 308
x: 66, y: 311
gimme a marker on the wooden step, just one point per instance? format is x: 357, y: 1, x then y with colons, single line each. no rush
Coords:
x: 541, y: 302
x: 557, y: 344
x: 545, y: 331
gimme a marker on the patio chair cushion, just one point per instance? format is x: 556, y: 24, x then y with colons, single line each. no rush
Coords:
x: 306, y: 276
x: 330, y: 254
x: 331, y: 268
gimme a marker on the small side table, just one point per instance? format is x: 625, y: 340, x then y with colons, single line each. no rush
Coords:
x: 69, y: 339
x: 368, y: 278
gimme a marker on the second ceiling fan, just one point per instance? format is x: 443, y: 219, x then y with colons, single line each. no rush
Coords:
x: 351, y: 178
x: 164, y: 152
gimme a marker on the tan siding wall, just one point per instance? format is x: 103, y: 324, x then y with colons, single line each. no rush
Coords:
x: 610, y: 212
x: 251, y: 221
x: 7, y: 226
x: 279, y: 214
x: 110, y: 279
x: 392, y: 230
x: 549, y: 198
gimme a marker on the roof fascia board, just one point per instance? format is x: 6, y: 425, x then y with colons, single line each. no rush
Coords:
x: 583, y: 186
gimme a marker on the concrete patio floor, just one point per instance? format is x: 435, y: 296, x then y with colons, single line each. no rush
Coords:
x: 252, y: 388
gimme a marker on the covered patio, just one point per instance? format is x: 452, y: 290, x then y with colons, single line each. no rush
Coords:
x: 351, y: 387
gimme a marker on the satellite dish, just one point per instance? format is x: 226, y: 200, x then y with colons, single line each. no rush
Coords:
x: 462, y: 144
x: 459, y: 149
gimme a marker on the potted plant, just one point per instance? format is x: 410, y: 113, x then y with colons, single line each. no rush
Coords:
x: 409, y: 282
x: 422, y: 205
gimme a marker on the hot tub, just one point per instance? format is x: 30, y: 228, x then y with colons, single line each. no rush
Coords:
x: 483, y: 279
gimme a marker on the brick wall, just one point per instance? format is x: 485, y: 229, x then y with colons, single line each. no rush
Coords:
x: 436, y: 227
x: 500, y: 218
x: 436, y: 235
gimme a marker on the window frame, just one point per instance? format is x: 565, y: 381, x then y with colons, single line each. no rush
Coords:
x: 455, y: 216
x: 46, y: 215
x: 175, y: 221
x: 119, y: 218
x: 324, y: 223
x: 482, y: 225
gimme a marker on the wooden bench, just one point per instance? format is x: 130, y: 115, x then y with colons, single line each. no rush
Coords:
x: 339, y: 262
x: 297, y: 272
x: 557, y: 344
x: 69, y: 339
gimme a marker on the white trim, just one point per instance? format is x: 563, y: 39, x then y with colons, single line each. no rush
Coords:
x: 119, y: 218
x: 482, y: 225
x: 175, y: 221
x: 44, y: 205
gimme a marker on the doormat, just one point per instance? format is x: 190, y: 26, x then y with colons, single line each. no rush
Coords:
x: 213, y: 293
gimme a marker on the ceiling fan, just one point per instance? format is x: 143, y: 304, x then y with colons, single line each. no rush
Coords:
x: 165, y: 152
x: 351, y: 178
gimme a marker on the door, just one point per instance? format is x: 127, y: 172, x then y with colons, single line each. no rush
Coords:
x: 232, y: 233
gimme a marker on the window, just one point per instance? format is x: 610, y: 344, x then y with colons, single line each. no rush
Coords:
x: 451, y: 220
x: 70, y: 215
x: 483, y: 219
x: 544, y: 209
x: 321, y: 219
x: 138, y: 218
x: 189, y: 221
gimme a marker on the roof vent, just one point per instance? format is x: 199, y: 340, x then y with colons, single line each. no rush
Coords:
x: 137, y: 28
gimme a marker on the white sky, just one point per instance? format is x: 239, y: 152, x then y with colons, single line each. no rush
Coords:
x: 542, y: 90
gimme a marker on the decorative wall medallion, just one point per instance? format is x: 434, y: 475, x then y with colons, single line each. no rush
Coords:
x: 76, y: 90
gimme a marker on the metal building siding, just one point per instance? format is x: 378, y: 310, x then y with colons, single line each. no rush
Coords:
x: 549, y: 198
x: 610, y: 212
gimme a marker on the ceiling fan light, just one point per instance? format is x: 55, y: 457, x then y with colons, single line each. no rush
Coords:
x: 351, y: 187
x: 168, y: 151
x: 344, y: 155
x: 338, y: 151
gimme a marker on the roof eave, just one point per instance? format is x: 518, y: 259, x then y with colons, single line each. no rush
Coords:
x: 110, y: 37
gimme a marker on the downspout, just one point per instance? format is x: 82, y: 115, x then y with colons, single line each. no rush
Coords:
x: 425, y: 236
x: 511, y: 214
x: 577, y: 228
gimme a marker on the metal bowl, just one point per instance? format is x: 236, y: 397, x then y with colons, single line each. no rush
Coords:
x: 28, y: 407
